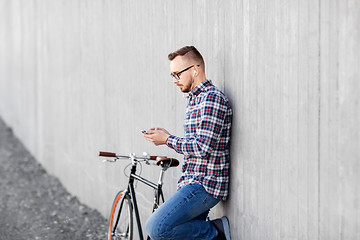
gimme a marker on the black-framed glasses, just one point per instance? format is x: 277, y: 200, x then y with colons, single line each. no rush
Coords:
x: 177, y: 75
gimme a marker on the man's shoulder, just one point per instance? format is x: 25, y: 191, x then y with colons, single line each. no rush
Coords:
x: 211, y: 91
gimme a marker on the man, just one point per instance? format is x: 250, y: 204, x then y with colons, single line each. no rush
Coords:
x: 205, y: 146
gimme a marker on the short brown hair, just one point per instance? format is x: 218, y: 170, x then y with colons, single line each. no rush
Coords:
x: 189, y: 51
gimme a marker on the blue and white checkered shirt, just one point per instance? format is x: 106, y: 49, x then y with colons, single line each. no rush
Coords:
x: 206, y: 142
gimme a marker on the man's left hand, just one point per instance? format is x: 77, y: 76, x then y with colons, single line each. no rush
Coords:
x: 158, y: 136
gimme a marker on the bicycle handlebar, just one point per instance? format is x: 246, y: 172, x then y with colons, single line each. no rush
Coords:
x: 160, y: 160
x: 107, y: 154
x: 110, y: 154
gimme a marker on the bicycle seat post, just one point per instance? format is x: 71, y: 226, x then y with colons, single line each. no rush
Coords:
x: 161, y: 177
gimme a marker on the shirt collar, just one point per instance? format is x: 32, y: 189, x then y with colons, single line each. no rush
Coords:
x: 199, y: 88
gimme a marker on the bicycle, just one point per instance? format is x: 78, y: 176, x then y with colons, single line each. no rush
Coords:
x: 121, y: 215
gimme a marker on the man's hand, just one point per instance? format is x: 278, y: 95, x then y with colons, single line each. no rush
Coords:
x: 158, y: 136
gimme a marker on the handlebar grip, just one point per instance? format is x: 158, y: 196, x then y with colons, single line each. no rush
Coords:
x: 107, y: 154
x: 156, y: 157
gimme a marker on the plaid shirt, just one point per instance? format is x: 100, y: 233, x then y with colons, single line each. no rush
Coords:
x: 206, y: 142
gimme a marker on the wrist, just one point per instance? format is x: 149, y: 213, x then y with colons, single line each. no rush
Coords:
x: 167, y: 138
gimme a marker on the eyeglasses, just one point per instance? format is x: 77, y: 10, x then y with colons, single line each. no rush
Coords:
x: 177, y: 75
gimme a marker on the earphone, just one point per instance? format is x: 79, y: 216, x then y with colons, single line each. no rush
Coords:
x: 192, y: 82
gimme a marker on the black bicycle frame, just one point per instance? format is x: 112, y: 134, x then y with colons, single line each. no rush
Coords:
x: 131, y: 189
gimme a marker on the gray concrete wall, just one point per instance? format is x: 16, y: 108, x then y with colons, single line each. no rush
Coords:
x: 78, y: 76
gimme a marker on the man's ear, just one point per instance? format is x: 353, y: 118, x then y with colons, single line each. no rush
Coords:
x: 196, y: 70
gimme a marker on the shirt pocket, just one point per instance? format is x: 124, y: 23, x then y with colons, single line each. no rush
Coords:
x: 194, y: 115
x: 192, y: 120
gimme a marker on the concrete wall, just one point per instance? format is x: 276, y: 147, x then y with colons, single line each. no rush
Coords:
x: 78, y: 76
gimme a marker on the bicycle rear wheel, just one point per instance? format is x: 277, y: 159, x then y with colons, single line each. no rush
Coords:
x: 121, y: 218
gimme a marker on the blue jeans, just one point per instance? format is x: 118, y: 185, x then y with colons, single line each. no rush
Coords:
x: 183, y: 216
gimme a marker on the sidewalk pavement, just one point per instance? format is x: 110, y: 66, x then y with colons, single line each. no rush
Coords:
x: 34, y: 204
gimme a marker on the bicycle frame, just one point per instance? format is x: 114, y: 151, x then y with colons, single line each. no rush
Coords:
x: 129, y: 193
x: 131, y: 190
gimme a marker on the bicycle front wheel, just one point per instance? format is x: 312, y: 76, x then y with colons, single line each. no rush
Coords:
x: 121, y: 218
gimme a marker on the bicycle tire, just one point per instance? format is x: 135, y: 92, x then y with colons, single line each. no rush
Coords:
x: 121, y: 218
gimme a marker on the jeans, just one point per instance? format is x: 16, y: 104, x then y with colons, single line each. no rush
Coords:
x: 183, y: 216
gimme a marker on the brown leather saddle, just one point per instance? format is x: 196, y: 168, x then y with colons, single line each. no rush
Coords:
x: 167, y: 162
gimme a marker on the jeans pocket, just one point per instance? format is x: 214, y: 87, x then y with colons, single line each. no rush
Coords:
x: 194, y: 189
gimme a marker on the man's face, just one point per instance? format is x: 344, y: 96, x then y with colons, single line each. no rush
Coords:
x: 186, y: 78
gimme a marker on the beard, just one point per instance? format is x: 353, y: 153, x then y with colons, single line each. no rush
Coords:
x: 188, y: 87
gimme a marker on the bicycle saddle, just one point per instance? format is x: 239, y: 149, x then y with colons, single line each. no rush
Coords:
x: 167, y: 162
